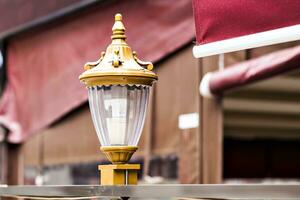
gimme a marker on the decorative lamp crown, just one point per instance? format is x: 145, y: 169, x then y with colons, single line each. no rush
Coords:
x: 119, y: 64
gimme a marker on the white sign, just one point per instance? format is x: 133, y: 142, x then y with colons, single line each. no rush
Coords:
x: 187, y: 121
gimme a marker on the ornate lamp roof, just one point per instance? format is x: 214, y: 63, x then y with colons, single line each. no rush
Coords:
x: 118, y: 64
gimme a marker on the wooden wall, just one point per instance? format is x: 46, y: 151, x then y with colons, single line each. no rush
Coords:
x: 177, y: 93
x: 73, y: 139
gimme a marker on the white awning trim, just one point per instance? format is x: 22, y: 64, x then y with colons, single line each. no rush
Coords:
x: 276, y: 36
x: 204, y: 86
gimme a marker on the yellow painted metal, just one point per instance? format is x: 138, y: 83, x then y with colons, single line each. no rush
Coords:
x: 119, y: 65
x: 118, y: 154
x: 119, y: 174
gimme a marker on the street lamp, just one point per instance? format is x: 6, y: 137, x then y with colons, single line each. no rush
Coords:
x: 118, y: 90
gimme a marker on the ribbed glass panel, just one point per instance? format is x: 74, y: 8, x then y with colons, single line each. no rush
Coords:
x: 118, y: 113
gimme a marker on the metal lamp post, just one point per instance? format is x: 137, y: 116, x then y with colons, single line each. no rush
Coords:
x: 118, y: 89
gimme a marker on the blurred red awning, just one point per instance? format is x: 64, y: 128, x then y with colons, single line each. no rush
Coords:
x: 224, y: 26
x: 241, y: 74
x: 29, y: 11
x: 43, y: 65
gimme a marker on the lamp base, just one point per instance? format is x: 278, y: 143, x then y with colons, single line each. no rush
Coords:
x: 118, y: 154
x: 119, y: 174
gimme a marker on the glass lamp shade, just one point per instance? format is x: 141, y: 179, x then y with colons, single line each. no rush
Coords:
x: 118, y: 113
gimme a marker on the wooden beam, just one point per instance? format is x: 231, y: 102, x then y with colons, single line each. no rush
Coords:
x: 244, y: 119
x: 211, y: 123
x: 149, y: 132
x: 262, y: 106
x: 176, y: 94
x: 293, y: 74
x: 15, y: 166
x: 265, y: 95
x: 189, y: 148
x: 11, y: 161
x: 261, y: 132
x: 3, y: 156
x: 261, y: 125
x: 280, y: 83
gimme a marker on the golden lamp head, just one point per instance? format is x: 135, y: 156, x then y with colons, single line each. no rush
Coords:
x: 118, y: 65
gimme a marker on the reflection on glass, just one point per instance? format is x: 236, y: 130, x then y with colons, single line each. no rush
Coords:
x: 118, y: 113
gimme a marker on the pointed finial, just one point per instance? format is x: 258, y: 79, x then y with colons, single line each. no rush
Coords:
x: 118, y: 17
x: 118, y: 28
